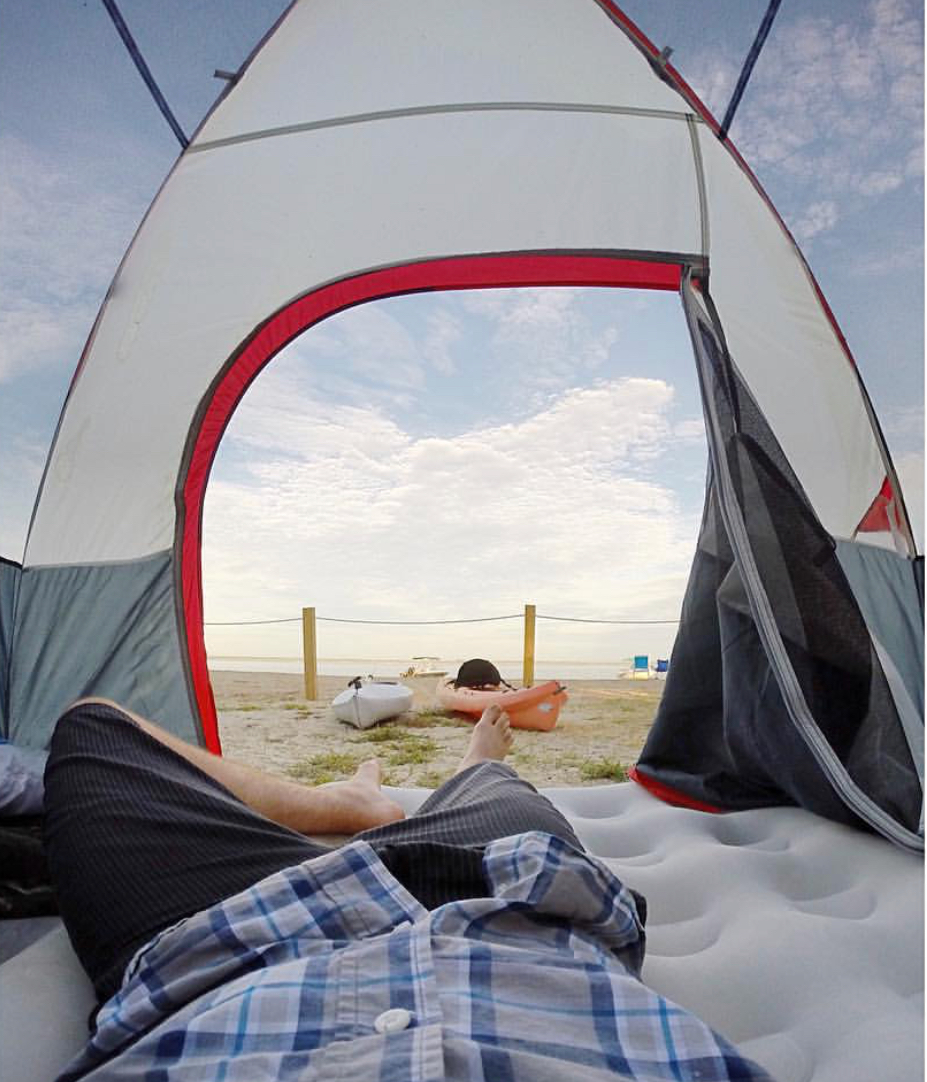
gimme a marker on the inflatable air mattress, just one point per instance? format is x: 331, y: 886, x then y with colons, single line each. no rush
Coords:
x: 799, y: 939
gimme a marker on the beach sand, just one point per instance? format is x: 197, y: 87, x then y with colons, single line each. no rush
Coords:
x: 265, y: 720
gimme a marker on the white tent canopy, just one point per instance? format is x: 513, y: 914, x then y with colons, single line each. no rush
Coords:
x: 303, y: 176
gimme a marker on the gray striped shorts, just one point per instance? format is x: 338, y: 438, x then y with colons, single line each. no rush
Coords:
x: 138, y: 838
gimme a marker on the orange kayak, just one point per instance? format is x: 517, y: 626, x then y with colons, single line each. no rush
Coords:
x: 527, y: 708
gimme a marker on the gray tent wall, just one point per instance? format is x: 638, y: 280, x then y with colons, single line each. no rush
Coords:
x: 890, y: 592
x: 776, y: 691
x: 64, y: 614
x: 10, y: 574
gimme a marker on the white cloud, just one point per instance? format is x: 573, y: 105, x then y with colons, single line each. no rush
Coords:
x: 34, y: 334
x: 21, y: 462
x: 908, y: 255
x: 902, y: 423
x: 544, y: 338
x: 373, y: 344
x: 63, y: 233
x: 833, y: 113
x: 344, y: 508
x: 818, y: 218
x: 880, y: 181
x: 444, y: 332
x: 914, y: 164
x: 690, y: 430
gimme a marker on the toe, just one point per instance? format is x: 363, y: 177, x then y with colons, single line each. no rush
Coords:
x: 369, y: 771
x: 492, y: 713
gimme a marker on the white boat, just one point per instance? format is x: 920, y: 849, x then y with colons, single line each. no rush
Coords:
x: 364, y: 704
x: 425, y: 666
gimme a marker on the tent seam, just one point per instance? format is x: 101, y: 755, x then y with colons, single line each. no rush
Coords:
x: 699, y: 167
x: 443, y: 109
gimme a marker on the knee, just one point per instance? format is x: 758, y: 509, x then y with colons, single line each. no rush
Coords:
x: 91, y: 701
x: 490, y: 770
x: 80, y: 715
x: 62, y: 734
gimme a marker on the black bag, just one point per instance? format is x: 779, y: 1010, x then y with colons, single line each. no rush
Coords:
x: 25, y: 886
x: 478, y: 673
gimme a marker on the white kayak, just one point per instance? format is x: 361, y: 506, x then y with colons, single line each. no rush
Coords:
x: 372, y: 702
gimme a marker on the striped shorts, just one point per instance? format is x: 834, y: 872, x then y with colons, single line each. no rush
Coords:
x: 138, y: 838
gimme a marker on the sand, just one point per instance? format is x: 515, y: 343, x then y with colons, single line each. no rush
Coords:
x: 265, y: 720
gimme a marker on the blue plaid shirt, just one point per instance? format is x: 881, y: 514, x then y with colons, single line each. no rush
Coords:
x: 332, y: 969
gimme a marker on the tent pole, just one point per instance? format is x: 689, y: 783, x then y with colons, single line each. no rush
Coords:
x: 747, y: 70
x: 144, y: 71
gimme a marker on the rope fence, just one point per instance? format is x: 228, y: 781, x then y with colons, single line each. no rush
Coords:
x: 309, y: 620
x: 421, y: 623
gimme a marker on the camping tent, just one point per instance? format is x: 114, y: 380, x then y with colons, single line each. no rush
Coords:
x: 370, y: 150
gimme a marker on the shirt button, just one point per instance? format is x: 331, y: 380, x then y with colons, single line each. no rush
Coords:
x: 392, y: 1021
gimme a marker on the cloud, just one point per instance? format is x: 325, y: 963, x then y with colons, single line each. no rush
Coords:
x: 36, y: 335
x: 372, y: 344
x: 22, y: 460
x: 817, y: 218
x: 61, y: 248
x: 904, y: 423
x: 880, y: 182
x: 833, y: 114
x: 543, y: 337
x: 690, y: 430
x: 466, y: 355
x: 343, y: 507
x: 444, y: 332
x: 907, y: 255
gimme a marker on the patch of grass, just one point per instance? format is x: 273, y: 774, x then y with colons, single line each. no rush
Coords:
x: 327, y: 766
x: 413, y: 751
x: 430, y: 779
x: 430, y: 715
x: 458, y: 722
x: 433, y: 712
x: 245, y: 708
x: 380, y: 734
x: 604, y: 769
x: 520, y: 755
x: 639, y: 710
x: 401, y: 747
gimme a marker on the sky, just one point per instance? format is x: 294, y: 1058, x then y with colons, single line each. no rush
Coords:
x: 458, y: 456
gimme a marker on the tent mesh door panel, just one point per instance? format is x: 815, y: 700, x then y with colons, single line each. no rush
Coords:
x: 748, y: 729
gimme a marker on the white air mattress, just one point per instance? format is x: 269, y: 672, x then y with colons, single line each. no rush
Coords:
x: 800, y: 940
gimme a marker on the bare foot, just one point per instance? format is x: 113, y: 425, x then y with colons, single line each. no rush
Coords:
x: 357, y: 803
x: 492, y: 738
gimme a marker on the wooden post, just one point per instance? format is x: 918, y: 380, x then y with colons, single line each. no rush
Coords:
x: 528, y: 668
x: 310, y: 661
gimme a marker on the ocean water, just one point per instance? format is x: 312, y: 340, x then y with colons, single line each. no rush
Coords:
x: 391, y: 668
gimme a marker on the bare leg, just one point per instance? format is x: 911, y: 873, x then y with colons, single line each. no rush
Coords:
x: 492, y: 739
x: 341, y: 807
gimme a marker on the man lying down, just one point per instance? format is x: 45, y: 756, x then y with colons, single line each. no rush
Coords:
x: 473, y: 940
